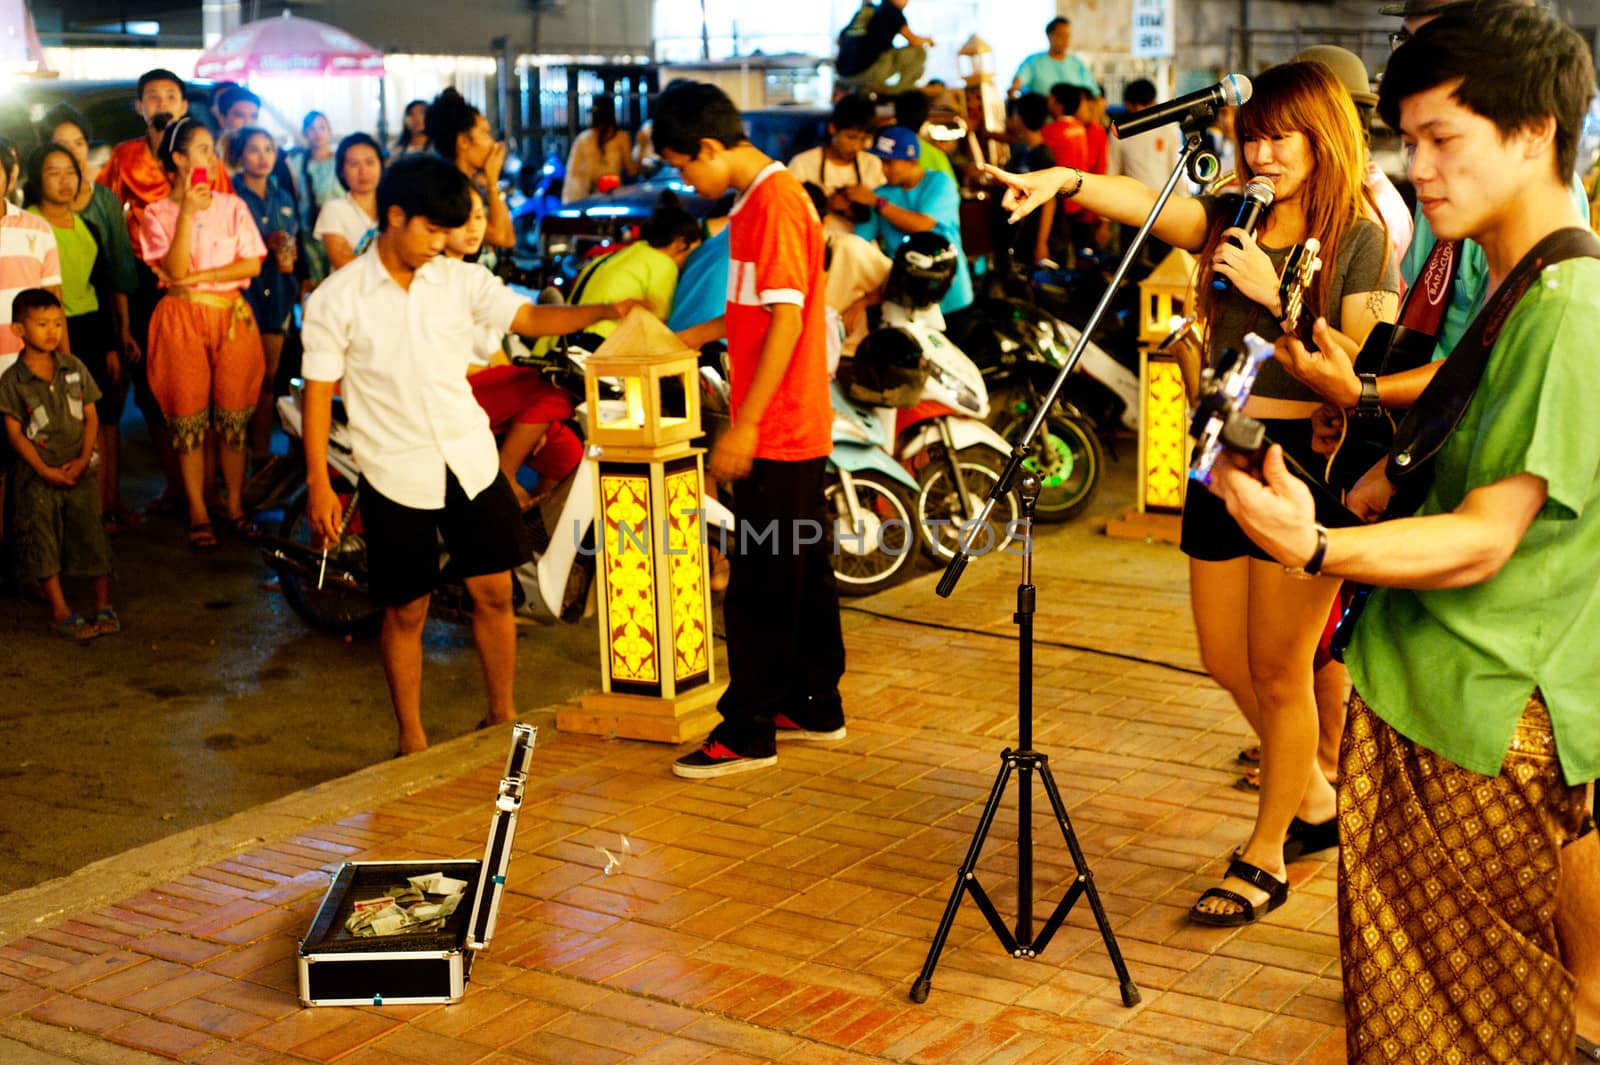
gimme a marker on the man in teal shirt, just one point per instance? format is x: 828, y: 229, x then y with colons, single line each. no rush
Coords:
x: 1042, y: 70
x: 914, y: 200
x: 1475, y: 726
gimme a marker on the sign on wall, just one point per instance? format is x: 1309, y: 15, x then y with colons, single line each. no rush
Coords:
x: 1153, y: 32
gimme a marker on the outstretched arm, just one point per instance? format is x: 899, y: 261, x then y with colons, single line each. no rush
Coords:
x: 1182, y: 222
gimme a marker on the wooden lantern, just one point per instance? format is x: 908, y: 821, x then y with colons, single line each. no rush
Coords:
x: 658, y: 674
x: 1164, y: 414
x: 1164, y: 295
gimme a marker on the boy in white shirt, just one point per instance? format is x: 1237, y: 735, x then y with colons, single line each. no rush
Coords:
x: 397, y: 330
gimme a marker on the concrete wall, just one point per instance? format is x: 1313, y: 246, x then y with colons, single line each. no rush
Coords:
x: 1206, y: 41
x: 456, y: 27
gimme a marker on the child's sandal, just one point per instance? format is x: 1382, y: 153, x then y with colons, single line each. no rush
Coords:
x: 75, y: 627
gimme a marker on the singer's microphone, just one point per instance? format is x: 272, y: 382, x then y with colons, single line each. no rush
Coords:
x: 1257, y: 198
x: 1231, y: 91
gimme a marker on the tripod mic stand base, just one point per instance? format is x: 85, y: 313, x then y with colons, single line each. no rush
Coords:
x: 1022, y: 943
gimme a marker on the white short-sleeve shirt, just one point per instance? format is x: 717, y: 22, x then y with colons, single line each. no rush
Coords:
x: 345, y: 217
x: 402, y: 356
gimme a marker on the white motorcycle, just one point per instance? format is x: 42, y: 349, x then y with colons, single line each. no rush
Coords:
x: 931, y: 401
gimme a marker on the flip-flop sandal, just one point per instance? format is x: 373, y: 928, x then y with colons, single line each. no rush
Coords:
x: 1277, y: 894
x: 75, y: 627
x: 1250, y: 755
x: 202, y: 537
x: 1587, y: 1051
x: 1250, y: 782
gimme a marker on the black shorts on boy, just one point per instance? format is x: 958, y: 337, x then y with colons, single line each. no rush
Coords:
x: 482, y: 535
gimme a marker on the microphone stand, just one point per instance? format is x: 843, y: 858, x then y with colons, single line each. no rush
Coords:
x: 1021, y: 942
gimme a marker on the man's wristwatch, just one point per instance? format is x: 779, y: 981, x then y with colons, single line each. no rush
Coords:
x: 1313, y: 565
x: 1368, y: 405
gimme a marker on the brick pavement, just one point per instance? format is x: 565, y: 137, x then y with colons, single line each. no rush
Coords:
x: 781, y: 915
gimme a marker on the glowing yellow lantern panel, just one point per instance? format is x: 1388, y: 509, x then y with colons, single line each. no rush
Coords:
x: 658, y: 675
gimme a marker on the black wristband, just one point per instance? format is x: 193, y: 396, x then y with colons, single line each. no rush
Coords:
x: 1313, y: 565
x: 1368, y: 406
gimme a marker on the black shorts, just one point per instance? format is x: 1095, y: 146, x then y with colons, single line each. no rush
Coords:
x: 484, y: 535
x: 1209, y: 532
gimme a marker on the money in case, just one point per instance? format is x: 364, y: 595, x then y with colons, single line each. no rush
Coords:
x: 338, y: 967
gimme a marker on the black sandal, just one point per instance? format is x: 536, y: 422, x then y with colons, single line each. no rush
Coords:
x: 1587, y: 1051
x: 1305, y: 838
x: 1277, y: 894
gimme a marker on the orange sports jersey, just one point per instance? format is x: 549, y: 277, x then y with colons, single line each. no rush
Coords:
x: 776, y: 249
x: 134, y: 173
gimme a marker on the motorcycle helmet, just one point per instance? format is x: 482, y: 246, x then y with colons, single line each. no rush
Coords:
x: 924, y: 269
x: 888, y: 370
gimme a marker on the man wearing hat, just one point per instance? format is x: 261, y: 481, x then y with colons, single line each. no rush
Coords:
x: 914, y: 200
x: 1352, y: 74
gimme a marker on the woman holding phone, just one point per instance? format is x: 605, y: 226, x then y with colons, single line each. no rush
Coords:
x: 206, y: 361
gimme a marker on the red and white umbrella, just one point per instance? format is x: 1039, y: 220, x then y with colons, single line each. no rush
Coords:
x: 20, y: 51
x: 288, y: 45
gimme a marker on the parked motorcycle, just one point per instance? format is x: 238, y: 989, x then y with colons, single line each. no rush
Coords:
x: 932, y: 401
x: 1020, y: 350
x: 867, y: 493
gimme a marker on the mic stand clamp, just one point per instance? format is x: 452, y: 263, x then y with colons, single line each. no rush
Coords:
x: 1024, y: 761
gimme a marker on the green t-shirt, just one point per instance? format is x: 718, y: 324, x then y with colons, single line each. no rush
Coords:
x: 1452, y: 669
x: 933, y: 158
x: 1472, y: 278
x: 637, y: 272
x: 76, y: 249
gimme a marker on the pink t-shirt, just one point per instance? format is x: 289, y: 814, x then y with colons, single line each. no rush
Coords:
x: 28, y: 259
x: 224, y: 233
x: 1392, y: 209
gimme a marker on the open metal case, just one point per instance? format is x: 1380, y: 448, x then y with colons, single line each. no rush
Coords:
x: 338, y: 968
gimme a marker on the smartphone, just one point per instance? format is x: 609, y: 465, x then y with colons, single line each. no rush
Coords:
x: 199, y: 176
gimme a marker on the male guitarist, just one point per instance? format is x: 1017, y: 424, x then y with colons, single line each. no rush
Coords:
x: 1475, y: 724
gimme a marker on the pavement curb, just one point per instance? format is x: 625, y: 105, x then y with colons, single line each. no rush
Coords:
x: 119, y: 876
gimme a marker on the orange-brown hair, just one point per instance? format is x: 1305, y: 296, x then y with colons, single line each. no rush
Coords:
x: 1306, y: 98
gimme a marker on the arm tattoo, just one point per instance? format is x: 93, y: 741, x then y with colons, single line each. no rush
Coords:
x: 1375, y: 301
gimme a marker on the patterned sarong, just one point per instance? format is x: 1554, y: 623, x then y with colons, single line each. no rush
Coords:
x: 1447, y: 898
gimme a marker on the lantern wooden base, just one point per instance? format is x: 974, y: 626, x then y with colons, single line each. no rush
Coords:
x: 646, y: 717
x: 1146, y: 525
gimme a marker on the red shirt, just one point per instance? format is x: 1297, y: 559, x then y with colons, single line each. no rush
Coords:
x: 1096, y: 136
x: 134, y: 174
x: 1068, y: 141
x: 775, y: 251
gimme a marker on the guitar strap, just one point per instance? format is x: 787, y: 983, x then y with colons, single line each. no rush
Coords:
x: 1442, y: 404
x: 1429, y: 295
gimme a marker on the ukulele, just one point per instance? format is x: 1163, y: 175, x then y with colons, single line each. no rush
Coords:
x: 1220, y: 423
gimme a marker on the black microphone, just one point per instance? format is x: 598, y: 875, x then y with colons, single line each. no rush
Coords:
x: 1257, y: 198
x: 1231, y: 91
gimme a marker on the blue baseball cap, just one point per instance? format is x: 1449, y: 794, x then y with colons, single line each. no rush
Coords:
x: 896, y: 142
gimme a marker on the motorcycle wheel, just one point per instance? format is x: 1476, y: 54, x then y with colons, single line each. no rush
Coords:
x: 1068, y: 460
x: 875, y: 556
x: 940, y: 523
x: 334, y: 608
